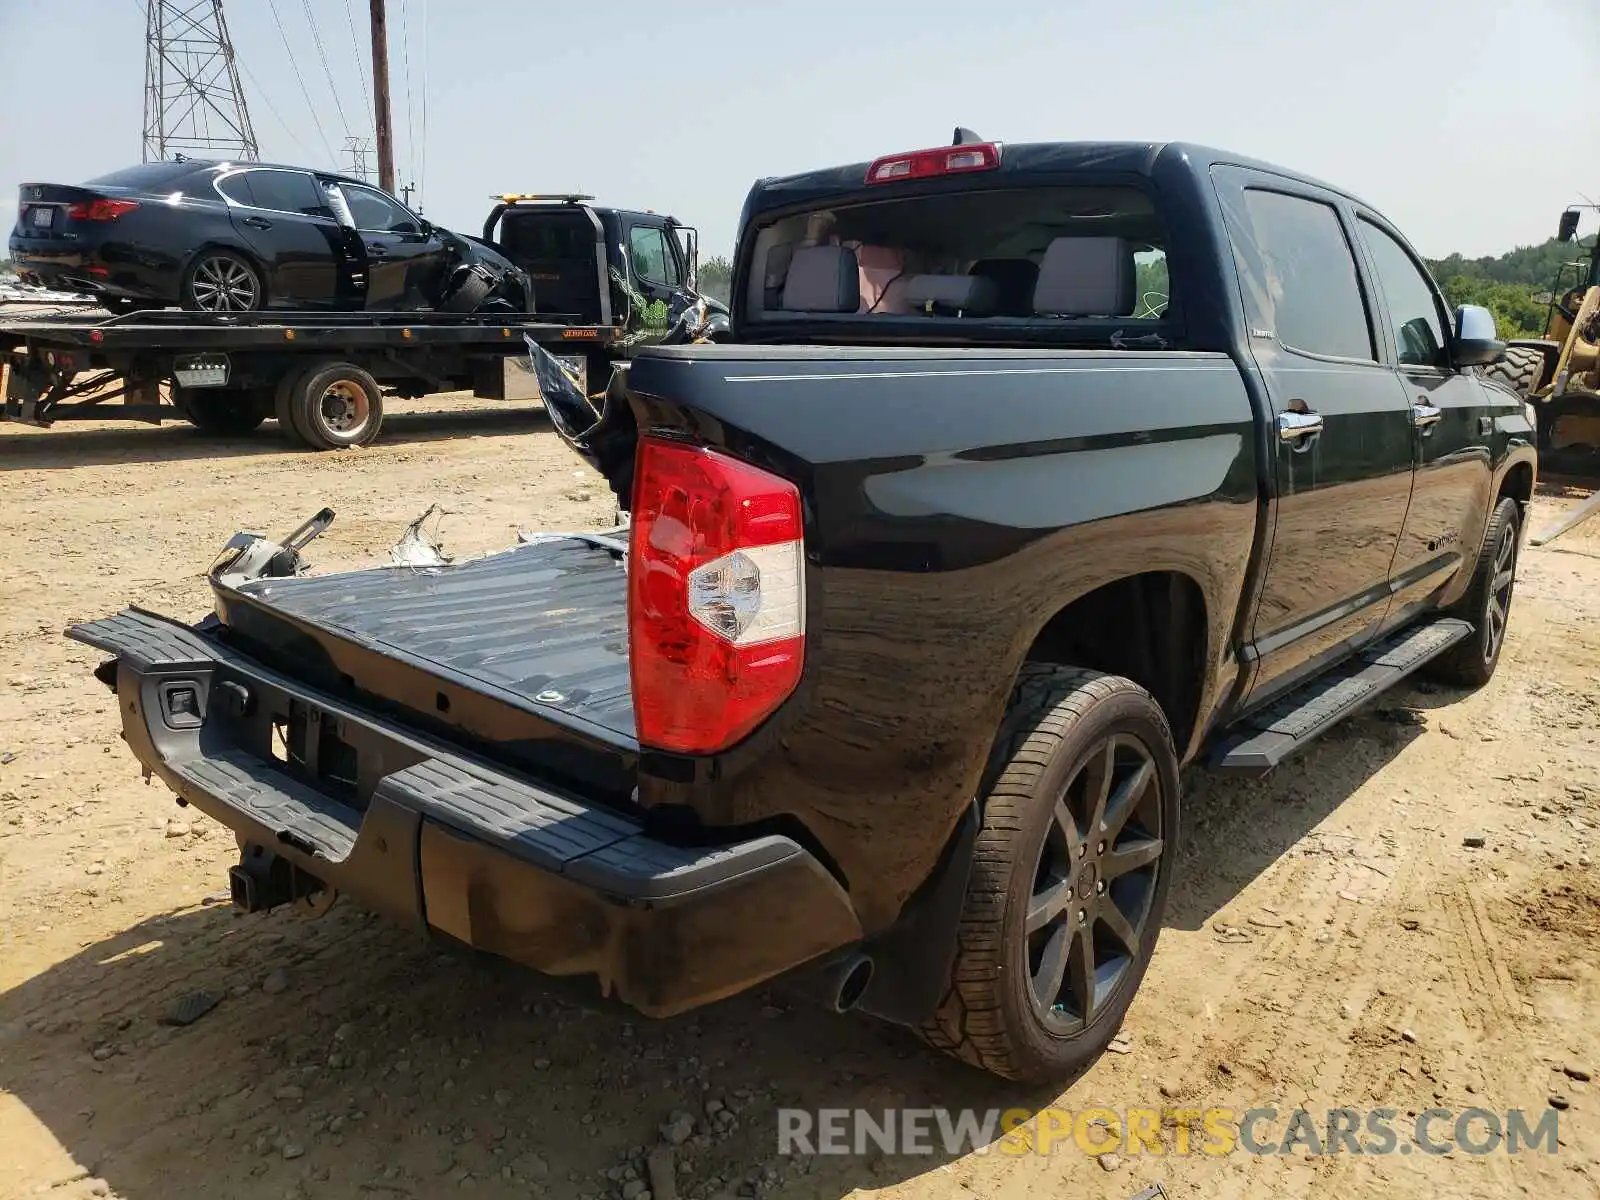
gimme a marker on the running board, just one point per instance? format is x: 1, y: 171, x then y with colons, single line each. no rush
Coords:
x: 1268, y: 737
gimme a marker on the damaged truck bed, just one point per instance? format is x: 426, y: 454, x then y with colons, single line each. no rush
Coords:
x: 433, y: 745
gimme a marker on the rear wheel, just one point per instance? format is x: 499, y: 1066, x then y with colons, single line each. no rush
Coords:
x: 1069, y: 877
x: 222, y: 281
x: 223, y: 412
x: 333, y: 406
x: 1487, y: 604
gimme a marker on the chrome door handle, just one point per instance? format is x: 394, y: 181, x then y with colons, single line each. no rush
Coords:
x: 1297, y: 426
x: 1425, y: 415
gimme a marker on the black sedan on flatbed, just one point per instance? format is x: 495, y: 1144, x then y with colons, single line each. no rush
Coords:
x: 237, y: 237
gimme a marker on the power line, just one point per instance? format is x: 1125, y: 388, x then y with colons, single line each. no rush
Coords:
x: 361, y: 74
x: 316, y: 40
x: 304, y: 91
x: 271, y: 108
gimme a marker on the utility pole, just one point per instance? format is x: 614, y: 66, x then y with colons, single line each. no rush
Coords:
x: 405, y: 194
x: 380, y: 96
x: 193, y: 101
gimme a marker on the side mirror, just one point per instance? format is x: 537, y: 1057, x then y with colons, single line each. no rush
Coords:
x: 1568, y: 228
x: 1476, y: 343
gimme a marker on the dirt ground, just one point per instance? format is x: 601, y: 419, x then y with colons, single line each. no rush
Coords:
x: 1335, y: 941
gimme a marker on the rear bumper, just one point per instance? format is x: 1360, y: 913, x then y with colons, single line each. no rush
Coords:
x: 440, y: 841
x: 83, y: 267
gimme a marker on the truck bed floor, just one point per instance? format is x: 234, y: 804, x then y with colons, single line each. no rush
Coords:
x: 544, y: 624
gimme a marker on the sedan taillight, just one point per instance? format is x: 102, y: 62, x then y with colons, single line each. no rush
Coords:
x: 100, y: 210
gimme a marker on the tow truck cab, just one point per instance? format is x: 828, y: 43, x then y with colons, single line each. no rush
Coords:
x: 585, y: 260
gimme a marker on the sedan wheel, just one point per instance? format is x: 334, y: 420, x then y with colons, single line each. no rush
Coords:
x: 223, y: 283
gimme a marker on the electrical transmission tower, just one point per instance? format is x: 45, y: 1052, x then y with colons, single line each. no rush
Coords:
x: 193, y: 102
x: 358, y: 148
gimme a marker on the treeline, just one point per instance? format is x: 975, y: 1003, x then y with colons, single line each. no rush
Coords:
x: 716, y: 278
x: 1515, y: 286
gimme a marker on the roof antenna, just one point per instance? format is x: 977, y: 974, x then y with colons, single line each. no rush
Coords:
x: 965, y: 137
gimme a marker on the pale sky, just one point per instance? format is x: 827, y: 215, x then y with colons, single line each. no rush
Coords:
x: 1445, y: 115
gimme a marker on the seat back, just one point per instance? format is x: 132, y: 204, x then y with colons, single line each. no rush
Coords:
x: 1014, y: 280
x: 822, y: 279
x: 1086, y: 277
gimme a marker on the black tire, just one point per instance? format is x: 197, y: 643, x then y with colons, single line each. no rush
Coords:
x: 221, y: 280
x: 471, y: 289
x: 1520, y: 370
x: 1487, y: 604
x: 283, y: 407
x: 1063, y: 729
x: 222, y: 412
x: 334, y: 406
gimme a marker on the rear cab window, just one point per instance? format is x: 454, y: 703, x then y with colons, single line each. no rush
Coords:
x: 986, y: 263
x: 145, y: 176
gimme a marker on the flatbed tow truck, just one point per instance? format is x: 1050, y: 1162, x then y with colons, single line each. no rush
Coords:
x: 323, y: 376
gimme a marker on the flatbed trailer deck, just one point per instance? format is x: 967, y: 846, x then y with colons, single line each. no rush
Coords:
x: 322, y: 375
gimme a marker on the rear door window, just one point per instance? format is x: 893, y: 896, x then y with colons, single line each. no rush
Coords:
x: 1310, y: 275
x: 237, y: 188
x: 287, y: 191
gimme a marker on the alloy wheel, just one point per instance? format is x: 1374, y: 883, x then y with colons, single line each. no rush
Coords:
x: 225, y: 285
x: 1094, y: 884
x: 1498, y: 606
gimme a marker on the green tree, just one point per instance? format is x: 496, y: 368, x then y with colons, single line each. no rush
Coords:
x: 1516, y: 313
x: 716, y: 278
x: 1514, y: 286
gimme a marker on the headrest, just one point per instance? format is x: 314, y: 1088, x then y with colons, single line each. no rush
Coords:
x: 1086, y: 277
x: 822, y: 279
x: 969, y: 294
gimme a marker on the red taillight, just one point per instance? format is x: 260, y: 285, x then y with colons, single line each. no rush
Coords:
x: 100, y: 210
x: 716, y: 596
x: 946, y: 160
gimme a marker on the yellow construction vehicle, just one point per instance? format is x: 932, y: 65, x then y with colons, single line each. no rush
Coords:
x: 1560, y: 372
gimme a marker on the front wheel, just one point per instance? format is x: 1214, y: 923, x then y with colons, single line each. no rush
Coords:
x: 1487, y: 604
x: 1069, y: 877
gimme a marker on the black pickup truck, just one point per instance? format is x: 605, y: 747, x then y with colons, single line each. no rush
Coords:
x: 1033, y: 473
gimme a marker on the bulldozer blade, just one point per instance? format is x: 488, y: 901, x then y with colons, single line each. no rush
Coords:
x: 1570, y: 521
